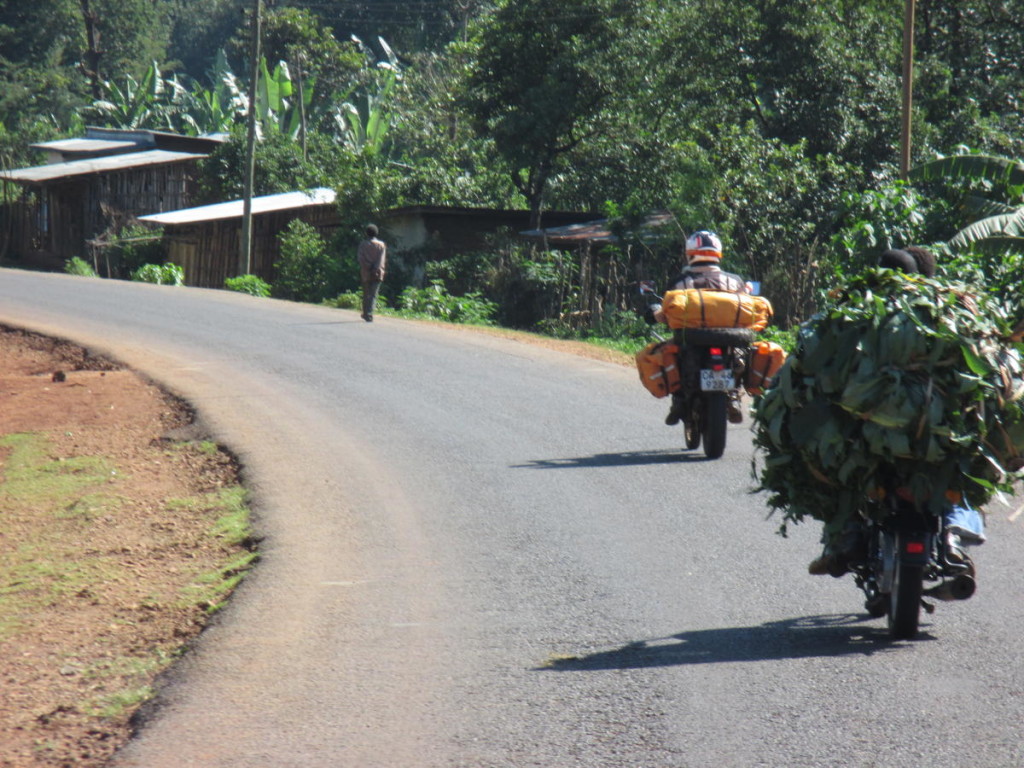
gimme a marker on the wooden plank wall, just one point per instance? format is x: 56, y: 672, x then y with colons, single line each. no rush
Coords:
x: 208, y: 252
x: 54, y: 221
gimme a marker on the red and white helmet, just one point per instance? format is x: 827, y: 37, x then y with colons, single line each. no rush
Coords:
x: 703, y: 246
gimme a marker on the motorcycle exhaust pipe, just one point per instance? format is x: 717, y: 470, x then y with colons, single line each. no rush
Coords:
x: 958, y: 588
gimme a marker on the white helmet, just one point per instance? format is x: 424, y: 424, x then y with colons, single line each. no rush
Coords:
x: 703, y: 246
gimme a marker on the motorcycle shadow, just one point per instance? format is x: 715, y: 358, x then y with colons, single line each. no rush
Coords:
x: 799, y: 638
x: 629, y: 458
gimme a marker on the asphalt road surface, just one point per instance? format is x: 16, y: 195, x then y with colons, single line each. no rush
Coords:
x: 482, y: 553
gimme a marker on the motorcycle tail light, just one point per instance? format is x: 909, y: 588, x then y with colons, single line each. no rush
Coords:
x: 915, y: 547
x: 716, y: 351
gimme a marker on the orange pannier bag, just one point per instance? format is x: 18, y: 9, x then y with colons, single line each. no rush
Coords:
x: 699, y: 308
x: 765, y: 360
x: 658, y: 366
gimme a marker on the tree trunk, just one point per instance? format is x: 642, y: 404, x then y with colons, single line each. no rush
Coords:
x: 91, y: 65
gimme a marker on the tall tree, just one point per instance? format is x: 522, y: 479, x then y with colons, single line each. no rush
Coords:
x: 825, y: 72
x: 544, y: 71
x: 38, y: 57
x: 970, y: 84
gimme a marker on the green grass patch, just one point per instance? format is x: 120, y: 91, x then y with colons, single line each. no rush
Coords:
x: 31, y: 476
x: 229, y: 511
x: 210, y: 590
x: 117, y: 704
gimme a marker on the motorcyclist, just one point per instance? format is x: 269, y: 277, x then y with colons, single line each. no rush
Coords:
x: 961, y: 521
x: 703, y: 254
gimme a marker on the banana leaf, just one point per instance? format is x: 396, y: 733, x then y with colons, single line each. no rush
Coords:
x: 903, y: 382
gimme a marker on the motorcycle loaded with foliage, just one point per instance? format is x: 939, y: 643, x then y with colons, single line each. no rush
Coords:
x: 896, y: 417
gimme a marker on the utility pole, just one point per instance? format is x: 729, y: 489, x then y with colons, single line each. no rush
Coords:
x: 908, y: 87
x: 302, y: 104
x: 245, y: 251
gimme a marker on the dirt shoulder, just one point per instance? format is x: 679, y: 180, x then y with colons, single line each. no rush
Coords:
x: 120, y: 533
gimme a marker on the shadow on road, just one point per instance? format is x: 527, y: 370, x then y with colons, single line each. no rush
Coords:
x: 807, y: 637
x: 631, y: 458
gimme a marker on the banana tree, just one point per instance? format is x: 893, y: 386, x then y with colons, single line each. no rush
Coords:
x: 152, y: 102
x: 989, y: 250
x: 998, y: 215
x: 216, y: 109
x: 364, y: 120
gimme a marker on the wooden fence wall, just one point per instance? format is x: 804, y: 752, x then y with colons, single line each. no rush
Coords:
x: 51, y: 222
x: 208, y: 252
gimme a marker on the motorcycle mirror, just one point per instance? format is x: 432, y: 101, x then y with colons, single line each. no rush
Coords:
x: 646, y: 286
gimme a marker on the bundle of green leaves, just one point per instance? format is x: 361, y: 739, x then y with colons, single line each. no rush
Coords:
x: 903, y: 382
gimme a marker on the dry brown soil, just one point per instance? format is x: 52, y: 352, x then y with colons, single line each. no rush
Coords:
x: 102, y: 588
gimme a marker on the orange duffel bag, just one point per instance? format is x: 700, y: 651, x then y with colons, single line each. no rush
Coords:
x: 658, y: 366
x: 699, y: 308
x: 764, y: 361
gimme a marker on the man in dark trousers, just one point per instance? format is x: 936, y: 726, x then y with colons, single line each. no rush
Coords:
x: 372, y: 255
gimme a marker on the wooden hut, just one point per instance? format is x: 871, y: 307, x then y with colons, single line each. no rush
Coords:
x: 206, y: 241
x: 606, y: 282
x: 53, y: 211
x: 102, y: 142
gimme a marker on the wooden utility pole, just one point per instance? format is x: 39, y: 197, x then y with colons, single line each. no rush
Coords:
x: 245, y: 251
x: 302, y: 104
x: 908, y: 87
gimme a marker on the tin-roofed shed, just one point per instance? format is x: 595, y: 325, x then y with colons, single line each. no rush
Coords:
x: 51, y: 212
x: 101, y: 142
x: 205, y: 241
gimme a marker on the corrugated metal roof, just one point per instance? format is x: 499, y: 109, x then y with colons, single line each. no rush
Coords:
x: 233, y: 209
x: 53, y: 171
x: 84, y: 145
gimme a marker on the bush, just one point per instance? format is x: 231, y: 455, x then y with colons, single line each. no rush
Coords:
x: 434, y: 301
x: 80, y: 267
x: 350, y: 300
x: 134, y: 247
x: 305, y: 271
x: 251, y: 284
x: 161, y: 274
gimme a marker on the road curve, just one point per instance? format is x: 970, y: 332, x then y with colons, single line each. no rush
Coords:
x: 481, y: 553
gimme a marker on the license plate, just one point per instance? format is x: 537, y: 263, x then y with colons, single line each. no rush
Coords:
x: 716, y: 381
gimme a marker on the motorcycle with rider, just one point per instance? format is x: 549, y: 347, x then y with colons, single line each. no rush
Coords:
x: 898, y: 414
x: 714, y: 318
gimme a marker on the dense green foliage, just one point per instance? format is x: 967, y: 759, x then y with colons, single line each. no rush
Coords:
x: 161, y: 274
x: 79, y: 266
x: 305, y: 270
x: 776, y: 124
x: 902, y: 382
x: 435, y: 302
x: 250, y: 284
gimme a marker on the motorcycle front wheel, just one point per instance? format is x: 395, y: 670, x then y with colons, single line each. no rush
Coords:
x: 714, y: 424
x: 905, y: 601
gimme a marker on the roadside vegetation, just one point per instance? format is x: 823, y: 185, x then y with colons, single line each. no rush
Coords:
x: 777, y: 125
x: 117, y: 545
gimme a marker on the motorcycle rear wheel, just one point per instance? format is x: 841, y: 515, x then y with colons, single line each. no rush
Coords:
x: 691, y: 428
x: 905, y: 601
x: 715, y: 420
x: 693, y: 425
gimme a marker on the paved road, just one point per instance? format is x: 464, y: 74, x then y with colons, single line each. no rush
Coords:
x: 480, y: 553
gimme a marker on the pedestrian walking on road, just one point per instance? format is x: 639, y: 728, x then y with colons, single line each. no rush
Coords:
x: 372, y: 255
